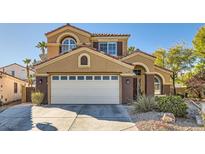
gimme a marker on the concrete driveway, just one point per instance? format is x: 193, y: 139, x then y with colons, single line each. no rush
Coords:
x: 66, y: 118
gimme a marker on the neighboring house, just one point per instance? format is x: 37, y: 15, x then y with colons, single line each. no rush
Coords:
x: 182, y: 90
x: 10, y: 87
x: 86, y: 68
x: 16, y: 70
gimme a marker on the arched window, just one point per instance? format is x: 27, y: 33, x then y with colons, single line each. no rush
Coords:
x: 68, y: 44
x: 157, y: 85
x: 84, y: 60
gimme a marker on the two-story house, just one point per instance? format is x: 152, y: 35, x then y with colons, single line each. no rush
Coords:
x: 16, y: 70
x: 87, y: 68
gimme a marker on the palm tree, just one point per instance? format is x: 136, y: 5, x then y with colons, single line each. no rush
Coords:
x: 131, y: 49
x: 30, y: 80
x: 27, y: 62
x: 42, y: 46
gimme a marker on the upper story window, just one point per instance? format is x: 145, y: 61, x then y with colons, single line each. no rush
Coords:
x: 13, y: 73
x: 108, y: 47
x: 68, y: 44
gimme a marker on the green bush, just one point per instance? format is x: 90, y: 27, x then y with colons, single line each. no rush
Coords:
x: 172, y: 104
x: 145, y: 104
x: 37, y: 98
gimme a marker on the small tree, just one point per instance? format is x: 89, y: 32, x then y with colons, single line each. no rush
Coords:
x: 160, y: 55
x: 179, y: 59
x: 199, y: 42
x: 196, y: 84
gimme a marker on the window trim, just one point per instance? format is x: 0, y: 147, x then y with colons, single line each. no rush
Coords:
x: 72, y: 76
x: 108, y: 43
x: 103, y: 78
x: 89, y: 76
x: 62, y: 76
x: 97, y: 76
x: 81, y: 76
x: 55, y: 79
x: 68, y: 45
x: 13, y: 73
x: 79, y: 60
x: 158, y: 92
x: 114, y: 77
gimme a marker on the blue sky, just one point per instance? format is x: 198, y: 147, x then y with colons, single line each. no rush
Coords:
x: 17, y: 41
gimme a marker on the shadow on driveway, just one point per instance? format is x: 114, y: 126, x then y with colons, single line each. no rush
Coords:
x: 64, y: 117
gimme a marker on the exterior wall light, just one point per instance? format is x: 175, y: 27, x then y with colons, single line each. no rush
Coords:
x: 127, y: 81
x: 40, y: 81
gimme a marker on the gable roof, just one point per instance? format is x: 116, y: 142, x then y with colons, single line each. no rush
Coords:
x: 12, y: 76
x: 163, y: 68
x: 92, y: 34
x: 137, y: 52
x: 67, y: 25
x: 17, y: 65
x: 114, y: 59
x: 109, y: 35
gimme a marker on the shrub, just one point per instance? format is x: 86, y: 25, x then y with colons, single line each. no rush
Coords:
x: 172, y: 104
x: 145, y: 104
x: 37, y: 98
x: 1, y: 103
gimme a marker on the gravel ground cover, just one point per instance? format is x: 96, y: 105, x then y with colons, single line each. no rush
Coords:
x: 151, y: 121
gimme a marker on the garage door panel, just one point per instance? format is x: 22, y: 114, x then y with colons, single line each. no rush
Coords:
x: 85, y: 91
x: 74, y: 100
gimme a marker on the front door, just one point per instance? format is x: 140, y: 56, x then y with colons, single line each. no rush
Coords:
x: 138, y: 87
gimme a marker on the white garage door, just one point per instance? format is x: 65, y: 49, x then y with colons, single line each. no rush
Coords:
x: 85, y: 89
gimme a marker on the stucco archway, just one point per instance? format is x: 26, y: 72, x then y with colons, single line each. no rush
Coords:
x: 60, y: 37
x: 143, y: 65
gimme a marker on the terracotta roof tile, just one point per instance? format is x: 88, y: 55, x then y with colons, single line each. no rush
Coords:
x: 109, y: 35
x: 92, y: 34
x: 65, y: 26
x: 139, y: 51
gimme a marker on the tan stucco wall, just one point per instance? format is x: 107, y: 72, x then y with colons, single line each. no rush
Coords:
x: 70, y: 64
x: 82, y: 38
x: 7, y: 90
x: 165, y: 74
x: 138, y: 58
x: 53, y: 50
x: 149, y: 62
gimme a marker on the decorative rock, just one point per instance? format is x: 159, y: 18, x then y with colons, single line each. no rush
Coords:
x: 168, y: 118
x: 199, y: 120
